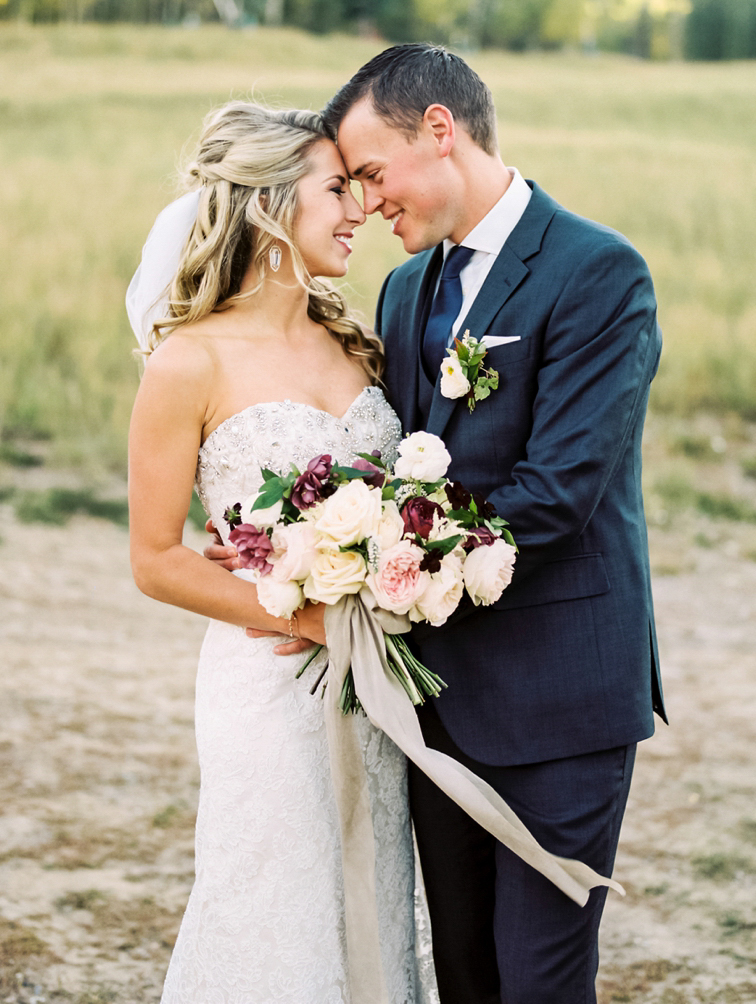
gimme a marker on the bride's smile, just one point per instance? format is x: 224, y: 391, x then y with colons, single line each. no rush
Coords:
x: 328, y: 213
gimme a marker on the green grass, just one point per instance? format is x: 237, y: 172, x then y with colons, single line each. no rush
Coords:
x: 56, y: 506
x: 93, y: 120
x: 722, y: 867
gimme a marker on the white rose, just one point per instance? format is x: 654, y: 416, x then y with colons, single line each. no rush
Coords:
x: 260, y: 517
x: 442, y: 594
x: 335, y: 574
x: 454, y: 383
x: 350, y: 515
x: 279, y: 598
x: 293, y: 551
x: 488, y: 571
x: 422, y: 457
x: 390, y: 526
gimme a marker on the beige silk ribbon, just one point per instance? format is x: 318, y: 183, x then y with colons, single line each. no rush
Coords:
x: 354, y: 633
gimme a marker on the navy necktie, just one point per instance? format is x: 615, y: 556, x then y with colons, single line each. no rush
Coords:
x: 444, y: 310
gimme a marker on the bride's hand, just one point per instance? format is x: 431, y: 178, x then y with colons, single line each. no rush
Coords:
x: 309, y: 621
x: 226, y: 557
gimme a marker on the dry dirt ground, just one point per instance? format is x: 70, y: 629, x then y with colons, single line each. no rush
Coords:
x: 99, y: 779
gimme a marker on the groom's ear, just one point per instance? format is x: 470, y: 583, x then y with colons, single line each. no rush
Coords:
x: 439, y: 122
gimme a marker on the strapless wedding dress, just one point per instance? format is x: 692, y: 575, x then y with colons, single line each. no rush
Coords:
x: 265, y: 920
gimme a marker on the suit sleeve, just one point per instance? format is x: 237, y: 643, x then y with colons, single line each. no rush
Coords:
x: 600, y: 352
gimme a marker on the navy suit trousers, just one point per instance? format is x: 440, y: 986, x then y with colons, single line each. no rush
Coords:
x: 502, y: 933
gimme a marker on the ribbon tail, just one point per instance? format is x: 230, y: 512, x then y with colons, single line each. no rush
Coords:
x: 387, y: 707
x: 349, y: 776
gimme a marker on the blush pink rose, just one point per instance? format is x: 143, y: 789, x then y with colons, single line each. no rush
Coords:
x: 398, y: 582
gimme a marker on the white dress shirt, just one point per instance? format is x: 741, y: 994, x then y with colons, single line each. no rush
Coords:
x: 487, y: 239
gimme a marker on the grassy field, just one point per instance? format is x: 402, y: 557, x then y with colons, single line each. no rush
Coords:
x: 94, y: 119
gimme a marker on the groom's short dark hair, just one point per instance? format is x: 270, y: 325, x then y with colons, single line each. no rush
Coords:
x: 404, y: 80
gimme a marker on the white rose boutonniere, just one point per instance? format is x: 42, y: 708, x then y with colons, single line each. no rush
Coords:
x: 462, y: 372
x: 454, y: 383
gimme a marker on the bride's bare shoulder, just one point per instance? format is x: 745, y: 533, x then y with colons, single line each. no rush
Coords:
x: 189, y: 352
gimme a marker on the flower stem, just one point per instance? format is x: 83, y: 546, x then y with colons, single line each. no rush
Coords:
x: 313, y: 655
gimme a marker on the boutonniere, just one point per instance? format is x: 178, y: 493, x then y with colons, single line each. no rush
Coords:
x: 462, y: 372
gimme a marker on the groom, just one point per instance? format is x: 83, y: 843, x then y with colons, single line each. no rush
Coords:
x: 551, y: 688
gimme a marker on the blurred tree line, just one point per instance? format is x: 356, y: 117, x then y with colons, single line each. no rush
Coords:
x: 649, y: 29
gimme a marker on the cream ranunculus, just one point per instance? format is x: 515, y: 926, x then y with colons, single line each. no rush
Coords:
x: 280, y: 598
x: 350, y: 515
x: 335, y: 574
x: 398, y: 582
x: 442, y: 594
x: 390, y: 526
x: 422, y: 457
x: 454, y: 383
x: 440, y: 497
x: 293, y: 551
x: 488, y: 571
x: 260, y: 517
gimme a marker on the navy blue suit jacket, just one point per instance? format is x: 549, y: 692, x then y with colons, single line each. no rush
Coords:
x: 565, y: 662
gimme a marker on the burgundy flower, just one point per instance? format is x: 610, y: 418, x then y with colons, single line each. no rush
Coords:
x: 321, y: 466
x: 418, y: 515
x: 253, y: 546
x: 459, y: 497
x: 307, y: 490
x: 431, y: 560
x: 480, y: 536
x: 485, y: 509
x: 309, y: 487
x: 377, y: 476
x: 232, y: 515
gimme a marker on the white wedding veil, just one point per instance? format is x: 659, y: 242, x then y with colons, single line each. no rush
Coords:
x: 147, y: 295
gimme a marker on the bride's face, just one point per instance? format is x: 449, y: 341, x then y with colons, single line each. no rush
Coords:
x: 328, y: 213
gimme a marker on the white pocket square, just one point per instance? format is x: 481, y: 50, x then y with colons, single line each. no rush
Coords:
x: 491, y: 341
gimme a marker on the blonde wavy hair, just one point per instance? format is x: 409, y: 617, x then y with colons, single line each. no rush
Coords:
x: 248, y: 164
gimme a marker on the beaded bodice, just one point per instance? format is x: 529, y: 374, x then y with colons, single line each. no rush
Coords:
x: 276, y: 434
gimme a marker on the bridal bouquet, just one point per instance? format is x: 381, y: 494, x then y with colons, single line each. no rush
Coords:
x: 408, y: 540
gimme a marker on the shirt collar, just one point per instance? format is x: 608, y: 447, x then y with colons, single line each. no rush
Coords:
x: 493, y: 230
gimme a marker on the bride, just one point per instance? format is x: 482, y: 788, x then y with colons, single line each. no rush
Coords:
x: 257, y: 364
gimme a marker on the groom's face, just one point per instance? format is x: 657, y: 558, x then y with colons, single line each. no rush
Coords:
x: 405, y: 180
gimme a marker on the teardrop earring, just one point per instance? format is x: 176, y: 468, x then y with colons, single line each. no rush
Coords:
x: 274, y: 256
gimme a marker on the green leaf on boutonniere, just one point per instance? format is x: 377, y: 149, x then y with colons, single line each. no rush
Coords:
x: 268, y: 475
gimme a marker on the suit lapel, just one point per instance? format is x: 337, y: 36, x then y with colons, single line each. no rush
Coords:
x: 507, y: 273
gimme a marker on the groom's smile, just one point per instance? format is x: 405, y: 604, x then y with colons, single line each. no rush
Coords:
x: 406, y: 178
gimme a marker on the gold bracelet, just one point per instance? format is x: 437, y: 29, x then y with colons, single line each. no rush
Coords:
x: 293, y: 622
